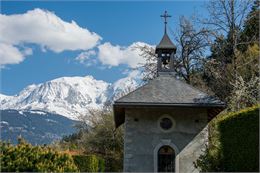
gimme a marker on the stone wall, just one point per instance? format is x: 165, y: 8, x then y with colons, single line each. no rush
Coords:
x: 144, y: 137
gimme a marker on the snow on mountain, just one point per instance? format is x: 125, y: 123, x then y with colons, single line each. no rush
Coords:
x: 3, y: 97
x: 126, y: 85
x: 68, y: 96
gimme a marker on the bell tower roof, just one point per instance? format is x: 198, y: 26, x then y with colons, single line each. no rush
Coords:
x: 166, y: 43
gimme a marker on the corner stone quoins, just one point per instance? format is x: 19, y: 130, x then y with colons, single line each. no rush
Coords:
x: 127, y: 161
x: 128, y: 140
x: 128, y: 156
x: 129, y: 134
x: 128, y: 148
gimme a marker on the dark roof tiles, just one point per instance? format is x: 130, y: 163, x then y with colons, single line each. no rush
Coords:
x: 166, y: 43
x: 166, y: 89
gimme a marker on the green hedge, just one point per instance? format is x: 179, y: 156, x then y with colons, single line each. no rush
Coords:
x: 27, y: 158
x: 234, y: 143
x: 89, y: 163
x: 239, y: 139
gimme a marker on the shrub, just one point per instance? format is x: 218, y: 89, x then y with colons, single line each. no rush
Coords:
x: 89, y: 163
x: 114, y: 163
x: 101, y: 165
x: 27, y: 158
x: 238, y: 143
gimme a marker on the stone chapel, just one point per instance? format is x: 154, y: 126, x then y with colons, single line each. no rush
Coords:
x: 165, y: 120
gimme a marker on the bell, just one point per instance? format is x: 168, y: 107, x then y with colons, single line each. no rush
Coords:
x: 164, y: 61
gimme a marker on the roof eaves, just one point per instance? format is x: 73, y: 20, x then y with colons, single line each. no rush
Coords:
x: 130, y: 104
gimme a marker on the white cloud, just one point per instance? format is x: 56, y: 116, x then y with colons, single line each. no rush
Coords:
x: 84, y: 56
x: 50, y: 32
x: 43, y: 28
x: 10, y: 54
x: 112, y: 55
x: 27, y: 51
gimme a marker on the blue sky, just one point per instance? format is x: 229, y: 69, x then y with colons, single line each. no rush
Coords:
x: 119, y: 24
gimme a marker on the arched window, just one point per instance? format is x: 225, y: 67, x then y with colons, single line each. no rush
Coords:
x: 166, y: 159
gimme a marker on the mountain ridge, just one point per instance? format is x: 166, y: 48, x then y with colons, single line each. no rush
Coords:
x: 69, y: 96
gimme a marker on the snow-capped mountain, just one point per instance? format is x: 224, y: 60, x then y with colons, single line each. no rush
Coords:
x: 68, y: 96
x: 2, y: 97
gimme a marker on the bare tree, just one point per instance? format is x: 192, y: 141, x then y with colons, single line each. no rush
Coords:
x: 191, y: 46
x: 149, y: 68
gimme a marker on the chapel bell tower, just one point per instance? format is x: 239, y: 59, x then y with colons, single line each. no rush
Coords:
x: 165, y: 50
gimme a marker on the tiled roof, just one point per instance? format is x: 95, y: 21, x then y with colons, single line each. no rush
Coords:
x: 165, y: 90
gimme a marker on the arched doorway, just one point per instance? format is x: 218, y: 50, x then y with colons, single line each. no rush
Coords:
x: 166, y: 159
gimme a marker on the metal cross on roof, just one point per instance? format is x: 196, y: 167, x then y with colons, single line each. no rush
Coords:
x: 165, y: 16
